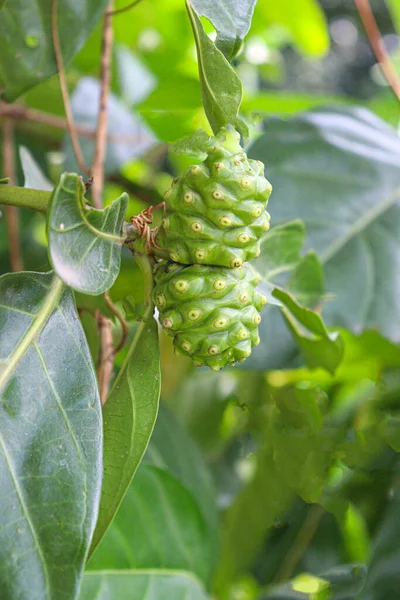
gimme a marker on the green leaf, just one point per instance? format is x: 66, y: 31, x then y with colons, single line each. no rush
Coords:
x: 319, y: 347
x: 339, y: 171
x: 129, y: 416
x: 231, y: 19
x: 304, y: 19
x: 394, y: 9
x: 221, y: 102
x: 158, y: 525
x: 196, y: 145
x: 172, y: 448
x: 306, y: 282
x: 50, y: 440
x: 280, y: 249
x: 84, y: 243
x: 27, y: 57
x: 141, y: 585
x: 33, y: 175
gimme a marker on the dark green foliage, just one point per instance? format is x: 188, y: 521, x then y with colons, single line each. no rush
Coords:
x: 212, y: 312
x: 216, y: 210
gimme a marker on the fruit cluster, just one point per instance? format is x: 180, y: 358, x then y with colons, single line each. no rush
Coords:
x: 215, y: 217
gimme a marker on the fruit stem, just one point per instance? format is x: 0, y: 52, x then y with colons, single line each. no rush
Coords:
x: 25, y: 197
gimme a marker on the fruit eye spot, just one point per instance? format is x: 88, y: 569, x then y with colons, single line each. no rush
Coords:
x: 181, y: 285
x: 268, y: 215
x: 219, y: 284
x: 160, y: 300
x: 174, y: 256
x: 257, y: 319
x: 219, y: 323
x: 188, y: 197
x: 243, y: 238
x: 196, y: 226
x: 237, y: 163
x: 187, y: 346
x: 200, y: 254
x: 165, y: 223
x: 213, y: 350
x: 225, y: 221
x: 263, y: 299
x: 257, y: 252
x: 193, y: 314
x: 243, y: 297
x: 243, y: 334
x: 167, y: 323
x: 217, y: 195
x: 236, y: 262
x: 257, y: 212
x: 256, y: 341
x: 245, y: 183
x: 266, y: 226
x: 195, y: 169
x: 167, y: 194
x: 219, y: 165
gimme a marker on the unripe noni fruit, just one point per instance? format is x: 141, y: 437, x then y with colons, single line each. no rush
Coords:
x: 212, y: 313
x: 215, y: 212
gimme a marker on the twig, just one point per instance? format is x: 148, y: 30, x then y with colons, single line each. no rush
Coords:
x: 107, y: 352
x: 301, y: 543
x: 19, y: 112
x: 64, y: 90
x: 113, y: 13
x: 378, y: 46
x: 12, y: 215
x: 123, y: 323
x: 106, y: 355
x: 101, y: 137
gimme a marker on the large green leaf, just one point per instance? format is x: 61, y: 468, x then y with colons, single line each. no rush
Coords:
x: 50, y: 440
x: 129, y: 416
x: 27, y: 52
x: 339, y: 171
x: 221, y: 102
x: 84, y: 243
x: 159, y: 525
x: 231, y: 19
x: 141, y: 585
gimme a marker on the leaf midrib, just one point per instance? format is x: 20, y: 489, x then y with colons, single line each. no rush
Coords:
x: 359, y: 226
x: 36, y: 327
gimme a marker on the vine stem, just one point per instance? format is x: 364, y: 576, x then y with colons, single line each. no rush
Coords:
x: 25, y: 197
x: 119, y: 11
x: 12, y: 215
x: 375, y: 38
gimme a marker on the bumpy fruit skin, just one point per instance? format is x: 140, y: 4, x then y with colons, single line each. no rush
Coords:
x: 215, y: 212
x: 212, y: 313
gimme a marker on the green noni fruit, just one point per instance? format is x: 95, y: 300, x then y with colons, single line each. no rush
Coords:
x: 212, y: 313
x: 215, y: 212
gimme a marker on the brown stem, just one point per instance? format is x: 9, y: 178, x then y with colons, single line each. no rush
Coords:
x: 11, y: 212
x: 375, y: 38
x: 19, y: 112
x: 106, y: 356
x: 101, y: 137
x: 64, y: 90
x: 123, y: 323
x: 113, y: 13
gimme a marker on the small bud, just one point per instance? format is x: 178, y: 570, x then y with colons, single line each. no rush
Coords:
x: 243, y: 298
x: 257, y: 319
x: 200, y: 254
x: 236, y: 263
x: 187, y: 346
x: 219, y: 284
x: 196, y: 226
x: 243, y: 238
x: 218, y: 195
x: 193, y: 314
x: 167, y: 323
x: 213, y: 350
x: 181, y: 285
x: 220, y: 323
x: 225, y: 221
x: 188, y: 197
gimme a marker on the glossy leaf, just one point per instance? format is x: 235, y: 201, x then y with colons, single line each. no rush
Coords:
x: 27, y: 57
x: 129, y: 416
x: 84, y: 243
x: 158, y: 525
x: 141, y: 585
x: 221, y: 103
x: 340, y: 173
x: 319, y: 347
x: 231, y: 19
x: 281, y: 250
x: 50, y: 440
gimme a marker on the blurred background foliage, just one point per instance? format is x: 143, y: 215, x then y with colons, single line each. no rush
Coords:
x: 275, y: 480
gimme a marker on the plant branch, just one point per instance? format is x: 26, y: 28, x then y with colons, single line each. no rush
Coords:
x: 375, y: 38
x: 12, y: 216
x: 301, y: 543
x: 101, y: 136
x: 119, y: 11
x: 25, y: 197
x: 19, y: 112
x: 64, y: 90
